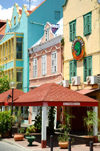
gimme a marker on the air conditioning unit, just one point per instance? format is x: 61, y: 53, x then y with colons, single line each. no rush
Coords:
x: 65, y: 83
x: 91, y: 79
x: 75, y: 80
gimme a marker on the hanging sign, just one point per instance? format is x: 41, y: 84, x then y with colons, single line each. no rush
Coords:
x: 78, y: 48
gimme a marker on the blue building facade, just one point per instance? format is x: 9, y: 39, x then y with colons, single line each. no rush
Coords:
x: 24, y: 30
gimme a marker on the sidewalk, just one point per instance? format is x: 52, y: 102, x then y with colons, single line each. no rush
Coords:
x: 37, y: 146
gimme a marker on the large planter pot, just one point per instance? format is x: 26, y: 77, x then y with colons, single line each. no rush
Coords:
x: 63, y: 144
x: 18, y: 137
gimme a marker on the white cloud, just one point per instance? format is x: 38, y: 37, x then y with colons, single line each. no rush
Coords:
x: 5, y: 13
x: 31, y: 8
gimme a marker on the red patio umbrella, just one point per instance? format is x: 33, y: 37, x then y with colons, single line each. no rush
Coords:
x: 54, y: 95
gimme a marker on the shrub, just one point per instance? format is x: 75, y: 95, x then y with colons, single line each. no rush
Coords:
x: 6, y: 122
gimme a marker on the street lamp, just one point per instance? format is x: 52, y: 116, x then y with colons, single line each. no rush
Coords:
x: 12, y: 86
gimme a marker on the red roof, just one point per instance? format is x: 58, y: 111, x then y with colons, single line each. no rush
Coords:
x: 4, y: 95
x: 52, y: 94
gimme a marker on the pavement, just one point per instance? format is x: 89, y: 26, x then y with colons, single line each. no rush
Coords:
x: 37, y: 146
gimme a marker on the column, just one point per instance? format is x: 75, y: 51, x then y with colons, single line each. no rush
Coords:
x: 95, y: 127
x: 43, y: 141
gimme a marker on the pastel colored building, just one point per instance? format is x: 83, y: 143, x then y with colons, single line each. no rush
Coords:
x: 46, y: 59
x: 82, y: 54
x: 24, y: 30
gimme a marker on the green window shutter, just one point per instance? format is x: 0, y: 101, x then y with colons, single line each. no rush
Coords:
x: 87, y: 67
x: 70, y: 72
x: 73, y: 68
x: 72, y: 30
x: 87, y: 24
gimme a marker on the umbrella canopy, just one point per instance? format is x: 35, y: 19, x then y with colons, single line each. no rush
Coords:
x: 52, y: 94
x: 7, y: 96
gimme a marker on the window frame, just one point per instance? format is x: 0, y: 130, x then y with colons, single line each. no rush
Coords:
x: 87, y: 24
x: 88, y: 67
x: 35, y: 69
x: 44, y: 65
x: 72, y: 31
x: 53, y: 67
x: 73, y: 69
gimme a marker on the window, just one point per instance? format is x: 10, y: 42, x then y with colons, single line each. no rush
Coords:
x: 19, y: 43
x: 57, y: 15
x: 72, y: 26
x: 44, y: 62
x: 87, y: 67
x: 47, y: 34
x: 73, y: 67
x: 87, y: 24
x: 54, y: 62
x: 35, y: 67
x: 14, y: 20
x: 19, y: 78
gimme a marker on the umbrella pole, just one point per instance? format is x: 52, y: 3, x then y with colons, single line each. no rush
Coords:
x: 43, y: 132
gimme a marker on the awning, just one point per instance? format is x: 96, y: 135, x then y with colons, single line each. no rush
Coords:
x: 52, y: 94
x: 87, y: 91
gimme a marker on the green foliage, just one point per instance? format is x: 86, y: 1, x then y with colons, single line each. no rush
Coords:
x: 30, y: 129
x: 64, y: 137
x: 90, y: 121
x: 22, y: 130
x: 38, y: 120
x: 66, y: 127
x: 62, y: 42
x: 19, y: 118
x: 4, y: 83
x: 6, y: 122
x: 51, y: 117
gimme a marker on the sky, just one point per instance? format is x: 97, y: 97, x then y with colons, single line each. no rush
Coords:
x: 6, y: 7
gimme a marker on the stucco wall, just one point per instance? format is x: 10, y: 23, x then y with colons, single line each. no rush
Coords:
x: 76, y: 10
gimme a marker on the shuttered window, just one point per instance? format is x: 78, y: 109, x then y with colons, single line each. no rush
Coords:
x: 35, y: 67
x: 44, y: 65
x: 87, y: 67
x: 54, y: 62
x: 73, y: 68
x: 72, y: 26
x: 87, y: 24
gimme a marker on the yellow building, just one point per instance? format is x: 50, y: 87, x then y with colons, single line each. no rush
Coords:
x: 81, y: 21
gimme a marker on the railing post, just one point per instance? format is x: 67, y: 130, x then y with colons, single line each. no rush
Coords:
x: 69, y: 144
x: 91, y: 145
x: 51, y: 142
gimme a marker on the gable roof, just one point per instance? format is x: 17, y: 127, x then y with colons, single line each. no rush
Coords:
x: 53, y: 94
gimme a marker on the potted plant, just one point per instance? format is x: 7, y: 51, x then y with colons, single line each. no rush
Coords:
x: 19, y: 135
x: 89, y: 121
x: 6, y: 122
x: 66, y: 127
x: 29, y: 134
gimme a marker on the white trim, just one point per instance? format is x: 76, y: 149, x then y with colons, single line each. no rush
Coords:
x: 71, y: 103
x: 44, y: 65
x: 35, y: 67
x: 53, y: 61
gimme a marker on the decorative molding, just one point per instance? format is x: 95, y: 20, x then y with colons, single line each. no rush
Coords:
x: 45, y: 45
